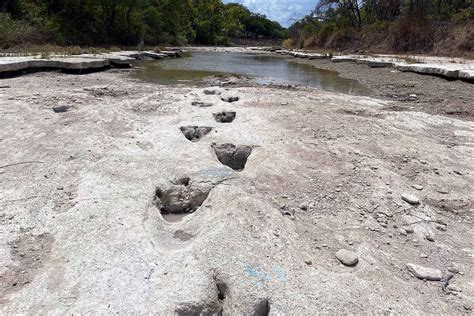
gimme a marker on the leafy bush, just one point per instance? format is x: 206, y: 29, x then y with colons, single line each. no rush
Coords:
x: 13, y: 32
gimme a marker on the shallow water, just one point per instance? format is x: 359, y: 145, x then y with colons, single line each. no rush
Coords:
x: 264, y: 69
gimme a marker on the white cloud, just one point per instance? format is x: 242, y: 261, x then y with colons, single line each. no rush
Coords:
x: 284, y: 11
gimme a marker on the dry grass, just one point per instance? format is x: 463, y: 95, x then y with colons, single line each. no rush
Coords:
x: 414, y: 36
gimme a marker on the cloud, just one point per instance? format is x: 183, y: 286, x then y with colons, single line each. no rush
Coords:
x: 284, y: 11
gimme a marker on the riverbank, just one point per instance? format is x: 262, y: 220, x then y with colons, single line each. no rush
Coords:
x: 449, y: 68
x: 412, y: 91
x: 91, y: 167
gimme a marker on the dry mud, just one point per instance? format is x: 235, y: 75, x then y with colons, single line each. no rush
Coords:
x: 108, y: 207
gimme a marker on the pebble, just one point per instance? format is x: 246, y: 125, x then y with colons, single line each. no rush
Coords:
x: 347, y: 258
x: 304, y: 206
x: 442, y: 191
x: 430, y: 238
x: 308, y: 262
x: 411, y: 199
x: 201, y: 104
x: 230, y: 99
x: 60, y: 109
x: 211, y: 92
x: 453, y: 288
x: 403, y: 232
x: 418, y: 187
x: 424, y: 273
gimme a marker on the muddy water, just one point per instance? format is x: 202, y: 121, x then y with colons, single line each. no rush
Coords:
x: 264, y: 69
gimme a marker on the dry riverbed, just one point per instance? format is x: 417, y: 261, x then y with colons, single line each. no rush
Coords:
x: 300, y: 201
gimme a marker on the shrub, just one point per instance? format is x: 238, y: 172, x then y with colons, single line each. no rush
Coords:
x: 13, y: 32
x: 288, y: 43
x: 464, y: 15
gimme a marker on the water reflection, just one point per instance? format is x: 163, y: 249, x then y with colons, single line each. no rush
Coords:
x: 265, y: 69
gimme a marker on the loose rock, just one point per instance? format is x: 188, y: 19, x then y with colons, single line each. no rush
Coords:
x: 201, y: 104
x: 418, y: 187
x: 424, y: 273
x: 230, y: 99
x: 430, y: 238
x: 411, y: 199
x: 60, y: 109
x: 211, y: 92
x: 347, y: 258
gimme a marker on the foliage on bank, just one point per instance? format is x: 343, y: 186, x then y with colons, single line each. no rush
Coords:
x: 387, y: 26
x: 130, y: 22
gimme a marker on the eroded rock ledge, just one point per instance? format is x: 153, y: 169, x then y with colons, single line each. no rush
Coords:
x: 436, y: 66
x: 86, y: 63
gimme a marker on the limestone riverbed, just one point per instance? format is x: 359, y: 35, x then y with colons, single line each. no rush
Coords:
x: 134, y: 198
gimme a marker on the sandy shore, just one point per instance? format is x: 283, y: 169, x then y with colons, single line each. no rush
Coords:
x: 82, y: 193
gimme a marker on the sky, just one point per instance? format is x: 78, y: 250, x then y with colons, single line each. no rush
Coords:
x: 284, y: 11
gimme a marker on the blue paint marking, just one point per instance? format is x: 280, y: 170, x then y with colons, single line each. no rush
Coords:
x: 217, y: 173
x: 260, y: 277
x: 279, y: 274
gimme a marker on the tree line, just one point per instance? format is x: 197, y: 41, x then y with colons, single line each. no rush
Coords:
x: 334, y: 22
x: 130, y: 22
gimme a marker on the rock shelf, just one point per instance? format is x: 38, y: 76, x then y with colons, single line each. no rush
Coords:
x: 86, y: 63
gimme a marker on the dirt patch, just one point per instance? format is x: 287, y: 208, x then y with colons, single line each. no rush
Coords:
x: 191, y: 310
x: 182, y: 235
x: 225, y: 117
x: 182, y: 197
x: 195, y: 133
x: 106, y: 92
x: 234, y: 156
x: 29, y: 254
